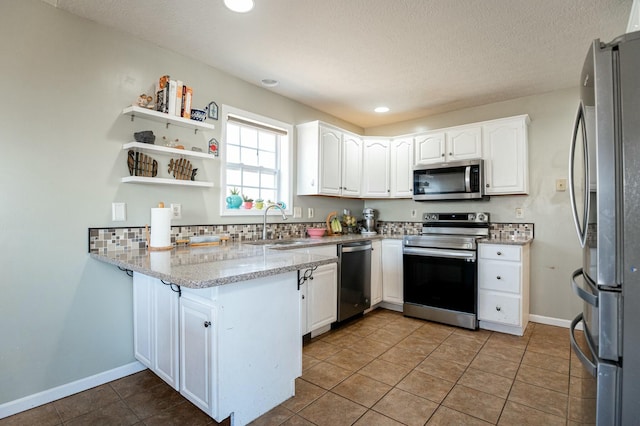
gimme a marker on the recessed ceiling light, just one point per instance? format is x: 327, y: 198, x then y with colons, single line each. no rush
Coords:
x: 382, y: 109
x: 269, y: 82
x: 240, y: 6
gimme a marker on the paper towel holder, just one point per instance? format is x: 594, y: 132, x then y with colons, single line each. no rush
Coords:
x: 146, y: 227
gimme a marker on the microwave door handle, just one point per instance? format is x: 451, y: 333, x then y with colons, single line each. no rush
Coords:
x: 467, y: 179
x: 581, y: 227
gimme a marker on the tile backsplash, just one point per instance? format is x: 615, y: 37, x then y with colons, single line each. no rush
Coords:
x: 102, y: 240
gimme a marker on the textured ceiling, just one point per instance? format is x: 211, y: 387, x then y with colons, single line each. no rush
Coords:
x: 345, y: 57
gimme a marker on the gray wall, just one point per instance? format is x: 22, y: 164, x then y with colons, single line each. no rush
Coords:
x: 555, y: 253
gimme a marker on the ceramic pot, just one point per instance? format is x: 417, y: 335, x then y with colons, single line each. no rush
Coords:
x: 259, y: 205
x: 234, y: 201
x: 248, y: 205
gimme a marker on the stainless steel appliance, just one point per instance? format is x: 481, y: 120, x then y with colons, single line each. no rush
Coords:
x: 354, y: 282
x: 440, y: 268
x: 369, y: 222
x: 605, y: 197
x: 461, y: 180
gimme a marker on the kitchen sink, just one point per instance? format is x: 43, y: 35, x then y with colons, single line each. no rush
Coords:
x: 279, y: 242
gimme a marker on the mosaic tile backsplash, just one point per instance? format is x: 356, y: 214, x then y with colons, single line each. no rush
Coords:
x: 102, y: 240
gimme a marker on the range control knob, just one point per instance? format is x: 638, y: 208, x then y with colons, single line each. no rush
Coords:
x: 481, y: 217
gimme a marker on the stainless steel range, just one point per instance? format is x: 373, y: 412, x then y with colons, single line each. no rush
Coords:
x: 440, y: 268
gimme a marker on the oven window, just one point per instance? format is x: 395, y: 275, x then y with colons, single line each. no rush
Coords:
x: 440, y: 282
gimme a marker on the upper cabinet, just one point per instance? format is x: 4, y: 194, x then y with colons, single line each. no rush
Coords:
x: 458, y: 143
x: 329, y: 161
x: 375, y: 176
x: 506, y: 166
x: 401, y: 170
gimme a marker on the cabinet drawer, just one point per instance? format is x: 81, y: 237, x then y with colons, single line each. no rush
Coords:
x: 499, y: 276
x: 499, y: 252
x: 498, y: 308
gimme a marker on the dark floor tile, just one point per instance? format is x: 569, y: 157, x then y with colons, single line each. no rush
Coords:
x: 45, y: 415
x: 445, y: 416
x: 185, y: 414
x: 475, y: 403
x: 326, y: 375
x: 154, y: 401
x: 521, y: 415
x: 362, y: 390
x: 116, y: 414
x: 135, y: 383
x: 306, y: 393
x: 273, y: 417
x: 83, y: 402
x: 333, y: 410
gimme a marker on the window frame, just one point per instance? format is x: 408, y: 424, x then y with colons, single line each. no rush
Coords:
x: 285, y: 161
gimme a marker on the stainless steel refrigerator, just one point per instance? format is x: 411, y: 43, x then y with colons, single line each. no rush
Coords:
x: 605, y: 194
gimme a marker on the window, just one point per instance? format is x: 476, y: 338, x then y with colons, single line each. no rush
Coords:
x: 256, y: 159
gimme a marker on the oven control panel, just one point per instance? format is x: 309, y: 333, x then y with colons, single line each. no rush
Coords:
x: 461, y: 218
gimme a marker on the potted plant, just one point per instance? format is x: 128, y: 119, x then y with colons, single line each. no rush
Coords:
x: 234, y: 201
x: 259, y: 204
x: 248, y: 202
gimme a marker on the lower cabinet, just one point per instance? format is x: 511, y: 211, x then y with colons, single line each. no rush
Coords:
x: 392, y: 276
x: 376, y: 273
x: 219, y: 342
x: 503, y: 287
x: 319, y: 295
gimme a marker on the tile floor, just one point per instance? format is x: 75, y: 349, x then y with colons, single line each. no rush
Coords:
x: 382, y: 369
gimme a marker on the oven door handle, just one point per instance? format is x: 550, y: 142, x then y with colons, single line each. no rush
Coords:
x: 452, y: 254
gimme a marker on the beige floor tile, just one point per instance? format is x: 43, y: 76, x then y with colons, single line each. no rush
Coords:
x: 547, y: 362
x: 478, y: 335
x: 425, y: 386
x: 442, y: 368
x: 306, y: 393
x: 402, y: 327
x: 494, y: 365
x: 45, y: 415
x: 542, y: 399
x: 342, y: 340
x: 464, y: 342
x: 521, y: 415
x: 582, y: 387
x: 544, y: 378
x: 405, y: 407
x: 373, y: 418
x: 116, y: 413
x: 401, y: 356
x: 417, y: 345
x: 333, y: 410
x: 385, y: 372
x: 547, y: 347
x: 362, y: 329
x: 89, y: 400
x: 454, y: 354
x: 296, y: 420
x: 308, y: 362
x: 325, y: 375
x: 320, y: 350
x: 486, y: 382
x: 388, y: 337
x: 274, y: 417
x: 362, y: 389
x: 582, y: 410
x: 370, y: 347
x: 445, y: 416
x: 434, y: 331
x: 502, y: 351
x: 475, y: 403
x: 350, y: 360
x: 519, y: 342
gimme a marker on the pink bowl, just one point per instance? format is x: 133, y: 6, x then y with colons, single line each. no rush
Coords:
x: 316, y: 232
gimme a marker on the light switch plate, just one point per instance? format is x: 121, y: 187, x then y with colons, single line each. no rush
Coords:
x: 118, y: 212
x: 310, y: 212
x: 519, y: 212
x: 176, y: 211
x: 297, y: 212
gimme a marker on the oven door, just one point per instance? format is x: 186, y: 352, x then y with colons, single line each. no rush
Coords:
x: 441, y: 278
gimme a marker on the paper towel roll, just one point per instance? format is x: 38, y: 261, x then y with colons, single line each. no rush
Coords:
x: 160, y: 229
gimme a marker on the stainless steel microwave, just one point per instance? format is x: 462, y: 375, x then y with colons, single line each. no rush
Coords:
x: 460, y: 180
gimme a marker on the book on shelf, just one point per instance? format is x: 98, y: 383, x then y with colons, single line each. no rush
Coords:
x: 186, y: 101
x: 162, y: 94
x: 173, y: 86
x: 178, y: 98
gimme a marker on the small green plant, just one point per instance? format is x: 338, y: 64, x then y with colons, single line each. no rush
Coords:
x: 247, y: 199
x: 259, y: 200
x: 234, y: 191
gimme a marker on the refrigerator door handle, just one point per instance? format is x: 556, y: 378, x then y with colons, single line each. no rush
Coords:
x: 581, y: 227
x: 590, y: 298
x: 588, y: 364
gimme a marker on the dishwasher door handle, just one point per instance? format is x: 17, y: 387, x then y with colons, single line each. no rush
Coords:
x: 351, y: 249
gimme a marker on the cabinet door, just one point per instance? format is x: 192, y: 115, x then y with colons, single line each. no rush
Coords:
x: 304, y: 309
x: 376, y: 272
x: 197, y: 356
x: 330, y: 161
x: 392, y: 276
x: 430, y: 148
x: 352, y: 147
x: 464, y: 143
x: 142, y: 319
x: 322, y: 293
x: 401, y: 170
x: 505, y: 153
x: 499, y: 307
x: 375, y: 182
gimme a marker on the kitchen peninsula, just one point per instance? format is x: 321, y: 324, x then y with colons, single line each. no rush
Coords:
x: 220, y: 324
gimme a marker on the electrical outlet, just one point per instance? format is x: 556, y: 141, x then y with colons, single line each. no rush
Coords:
x: 176, y: 211
x: 561, y: 185
x: 118, y: 212
x: 310, y: 212
x: 297, y: 212
x: 519, y: 212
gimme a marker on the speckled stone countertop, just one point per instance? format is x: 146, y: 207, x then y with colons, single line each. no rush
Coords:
x: 203, y: 267
x: 516, y: 242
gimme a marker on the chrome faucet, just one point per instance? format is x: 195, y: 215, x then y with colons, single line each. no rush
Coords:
x: 264, y: 221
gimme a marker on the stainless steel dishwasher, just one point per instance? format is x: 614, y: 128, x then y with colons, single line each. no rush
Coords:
x: 354, y: 282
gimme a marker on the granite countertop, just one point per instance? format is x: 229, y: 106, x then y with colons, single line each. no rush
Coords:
x: 203, y: 267
x: 516, y: 242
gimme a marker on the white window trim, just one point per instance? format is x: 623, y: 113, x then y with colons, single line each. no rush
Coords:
x: 286, y: 171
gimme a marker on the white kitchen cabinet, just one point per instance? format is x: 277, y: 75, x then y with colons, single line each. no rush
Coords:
x: 320, y: 295
x: 329, y: 161
x: 376, y: 272
x: 503, y: 287
x: 506, y: 165
x: 454, y: 144
x: 392, y: 273
x: 376, y: 169
x: 155, y: 327
x: 401, y: 169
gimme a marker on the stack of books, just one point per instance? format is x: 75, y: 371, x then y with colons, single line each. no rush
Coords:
x: 173, y: 97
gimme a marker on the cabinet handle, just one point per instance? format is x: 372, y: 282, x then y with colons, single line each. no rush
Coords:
x: 207, y: 324
x: 487, y: 185
x: 388, y: 190
x: 451, y: 153
x: 303, y: 297
x: 499, y: 253
x: 442, y: 155
x: 498, y: 308
x: 499, y: 277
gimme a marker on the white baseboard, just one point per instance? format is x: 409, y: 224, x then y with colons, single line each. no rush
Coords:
x: 553, y: 321
x: 31, y: 401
